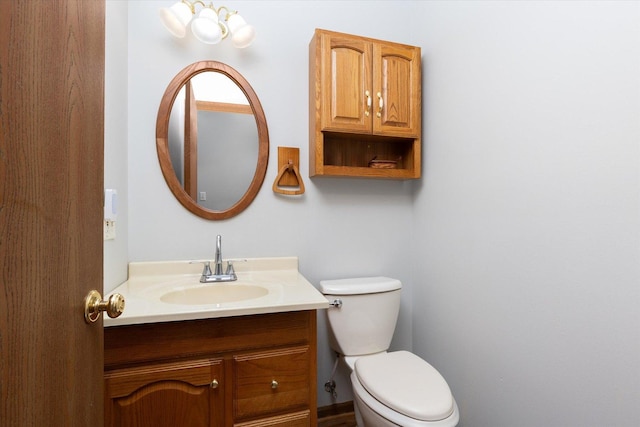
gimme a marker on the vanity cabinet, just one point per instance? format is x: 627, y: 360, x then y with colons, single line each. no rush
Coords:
x: 365, y: 107
x: 257, y: 370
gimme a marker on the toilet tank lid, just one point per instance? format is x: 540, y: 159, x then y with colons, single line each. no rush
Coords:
x: 359, y: 285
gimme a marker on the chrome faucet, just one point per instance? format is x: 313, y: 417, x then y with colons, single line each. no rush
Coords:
x: 217, y: 266
x: 217, y: 276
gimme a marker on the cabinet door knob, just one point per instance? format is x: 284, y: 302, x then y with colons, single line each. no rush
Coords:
x: 368, y: 95
x: 214, y: 384
x: 274, y: 384
x: 380, y: 105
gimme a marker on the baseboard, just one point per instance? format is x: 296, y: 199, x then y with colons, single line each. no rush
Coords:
x: 338, y: 414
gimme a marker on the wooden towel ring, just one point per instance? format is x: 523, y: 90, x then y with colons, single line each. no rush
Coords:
x: 290, y: 167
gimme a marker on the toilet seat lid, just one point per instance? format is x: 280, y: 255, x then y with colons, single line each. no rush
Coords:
x: 407, y: 384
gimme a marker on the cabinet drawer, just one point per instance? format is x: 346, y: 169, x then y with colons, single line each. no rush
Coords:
x: 270, y: 382
x: 298, y: 419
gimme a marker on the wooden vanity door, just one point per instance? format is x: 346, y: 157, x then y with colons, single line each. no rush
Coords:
x: 346, y: 80
x: 396, y: 76
x: 168, y: 395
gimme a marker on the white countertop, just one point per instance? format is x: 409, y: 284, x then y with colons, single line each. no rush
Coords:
x: 288, y: 290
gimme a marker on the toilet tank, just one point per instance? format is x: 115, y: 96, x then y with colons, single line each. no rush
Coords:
x: 366, y: 321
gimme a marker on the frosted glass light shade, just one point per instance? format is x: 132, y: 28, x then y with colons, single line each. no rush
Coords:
x: 176, y: 18
x: 242, y: 34
x: 206, y: 28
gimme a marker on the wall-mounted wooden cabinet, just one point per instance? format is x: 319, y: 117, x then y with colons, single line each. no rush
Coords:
x: 365, y: 107
x: 247, y: 371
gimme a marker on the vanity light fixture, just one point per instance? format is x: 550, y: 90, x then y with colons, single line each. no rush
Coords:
x: 207, y: 25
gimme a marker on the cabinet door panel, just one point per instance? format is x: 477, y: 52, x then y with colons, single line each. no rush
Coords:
x: 396, y: 71
x: 165, y: 395
x: 255, y: 394
x: 346, y: 68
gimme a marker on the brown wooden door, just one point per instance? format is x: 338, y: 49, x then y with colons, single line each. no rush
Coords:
x: 346, y: 83
x: 51, y: 191
x: 397, y: 81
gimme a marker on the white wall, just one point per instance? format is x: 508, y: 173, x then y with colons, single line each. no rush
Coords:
x: 519, y: 249
x: 527, y: 223
x: 116, y: 253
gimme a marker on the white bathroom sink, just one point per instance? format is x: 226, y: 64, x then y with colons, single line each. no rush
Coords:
x: 170, y: 291
x: 215, y: 293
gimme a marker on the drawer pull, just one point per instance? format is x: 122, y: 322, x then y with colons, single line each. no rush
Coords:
x: 214, y: 384
x: 274, y: 384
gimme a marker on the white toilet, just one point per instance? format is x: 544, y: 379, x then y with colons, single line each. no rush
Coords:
x: 390, y: 389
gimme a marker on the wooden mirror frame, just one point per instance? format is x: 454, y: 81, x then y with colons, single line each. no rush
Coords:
x: 162, y: 139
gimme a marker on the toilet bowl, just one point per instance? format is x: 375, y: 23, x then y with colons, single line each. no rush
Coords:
x: 401, y: 389
x: 390, y: 388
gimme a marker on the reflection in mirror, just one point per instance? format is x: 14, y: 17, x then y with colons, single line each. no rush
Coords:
x: 212, y: 140
x: 219, y: 138
x: 226, y: 159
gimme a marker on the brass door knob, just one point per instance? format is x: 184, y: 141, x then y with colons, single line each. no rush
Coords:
x: 214, y: 384
x: 94, y: 306
x: 274, y: 384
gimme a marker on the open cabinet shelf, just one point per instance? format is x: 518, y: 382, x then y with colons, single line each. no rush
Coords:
x: 368, y: 156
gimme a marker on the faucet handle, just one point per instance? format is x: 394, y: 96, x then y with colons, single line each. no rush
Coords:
x: 206, y: 271
x: 230, y: 269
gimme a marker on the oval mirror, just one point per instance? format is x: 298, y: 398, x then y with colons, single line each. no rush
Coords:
x: 212, y: 140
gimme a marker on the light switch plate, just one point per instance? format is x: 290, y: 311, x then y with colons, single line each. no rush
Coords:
x: 109, y: 230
